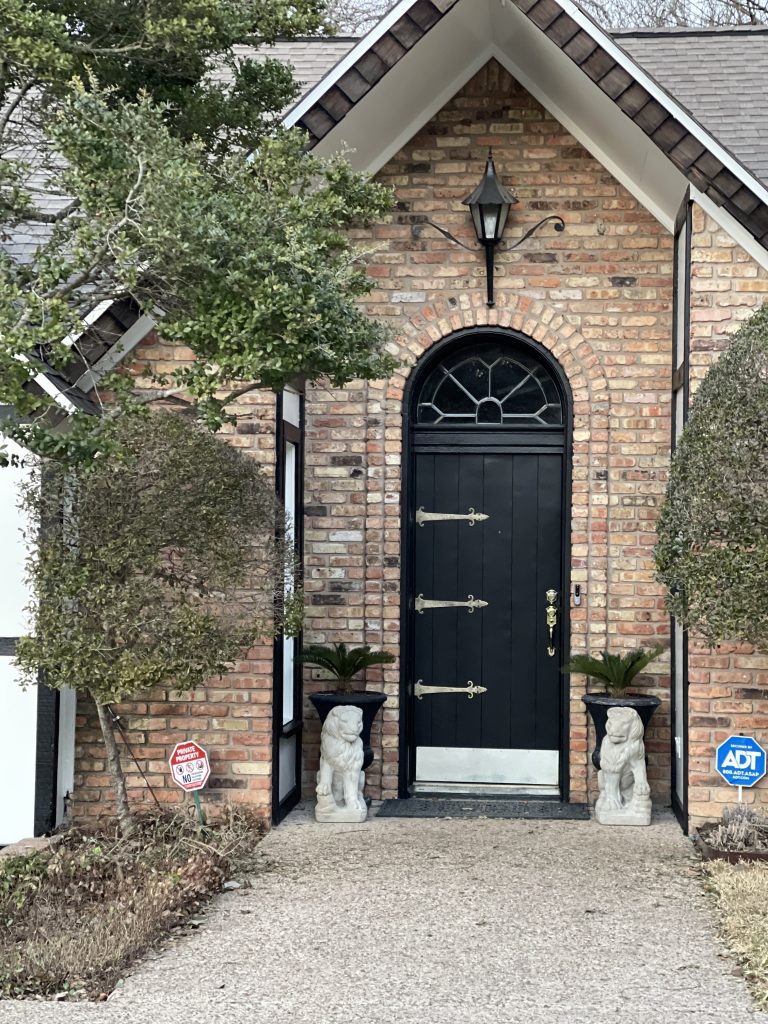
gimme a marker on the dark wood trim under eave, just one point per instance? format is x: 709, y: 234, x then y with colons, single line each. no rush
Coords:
x: 691, y: 156
x: 688, y: 153
x: 371, y: 67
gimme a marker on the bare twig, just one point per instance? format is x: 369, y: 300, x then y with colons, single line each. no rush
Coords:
x: 13, y: 105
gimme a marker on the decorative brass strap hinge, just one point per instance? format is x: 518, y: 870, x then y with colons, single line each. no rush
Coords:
x: 470, y: 689
x: 470, y: 518
x: 470, y: 604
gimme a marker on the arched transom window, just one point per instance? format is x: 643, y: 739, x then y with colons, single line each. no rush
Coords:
x: 489, y: 384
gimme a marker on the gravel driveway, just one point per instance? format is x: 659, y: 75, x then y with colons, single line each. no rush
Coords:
x: 443, y: 922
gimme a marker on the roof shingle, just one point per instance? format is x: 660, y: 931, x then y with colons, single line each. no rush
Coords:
x: 311, y: 58
x: 720, y: 75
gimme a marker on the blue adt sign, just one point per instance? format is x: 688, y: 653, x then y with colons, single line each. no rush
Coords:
x: 741, y: 761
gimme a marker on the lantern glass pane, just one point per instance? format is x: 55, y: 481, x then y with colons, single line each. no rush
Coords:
x: 490, y: 222
x: 477, y: 220
x: 503, y: 221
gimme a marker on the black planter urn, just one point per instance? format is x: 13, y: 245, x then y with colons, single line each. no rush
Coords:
x: 369, y: 704
x: 599, y: 704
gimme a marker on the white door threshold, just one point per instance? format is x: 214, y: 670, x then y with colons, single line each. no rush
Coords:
x: 493, y: 789
x: 483, y: 766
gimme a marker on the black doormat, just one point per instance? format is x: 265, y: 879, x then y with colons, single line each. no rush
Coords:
x: 498, y: 807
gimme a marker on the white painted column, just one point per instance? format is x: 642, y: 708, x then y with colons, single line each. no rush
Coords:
x: 18, y: 708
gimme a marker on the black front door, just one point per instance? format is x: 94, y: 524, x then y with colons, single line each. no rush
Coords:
x: 485, y: 601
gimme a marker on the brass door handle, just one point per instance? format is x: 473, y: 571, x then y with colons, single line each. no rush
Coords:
x: 551, y: 597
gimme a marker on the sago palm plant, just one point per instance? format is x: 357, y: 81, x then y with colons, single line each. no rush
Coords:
x: 614, y: 670
x: 343, y: 662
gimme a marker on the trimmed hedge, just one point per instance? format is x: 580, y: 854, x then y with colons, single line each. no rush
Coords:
x: 712, y: 551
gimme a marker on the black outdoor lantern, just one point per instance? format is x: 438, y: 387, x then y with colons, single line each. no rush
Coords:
x: 489, y: 205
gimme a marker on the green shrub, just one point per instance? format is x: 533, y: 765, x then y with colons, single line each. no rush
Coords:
x: 156, y: 567
x: 712, y: 551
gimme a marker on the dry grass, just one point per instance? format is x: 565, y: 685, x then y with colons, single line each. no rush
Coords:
x: 741, y: 891
x: 73, y: 918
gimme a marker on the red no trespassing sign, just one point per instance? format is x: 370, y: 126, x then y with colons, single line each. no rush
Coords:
x: 189, y: 766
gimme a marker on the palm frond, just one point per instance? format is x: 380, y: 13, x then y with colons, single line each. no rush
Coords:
x: 588, y: 666
x: 341, y: 662
x: 616, y: 671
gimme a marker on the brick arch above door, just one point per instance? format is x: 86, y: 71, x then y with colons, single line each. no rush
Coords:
x: 540, y: 322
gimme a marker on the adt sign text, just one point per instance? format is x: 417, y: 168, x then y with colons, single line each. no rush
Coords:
x: 740, y: 760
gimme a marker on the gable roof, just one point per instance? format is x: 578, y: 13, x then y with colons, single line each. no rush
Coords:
x: 629, y: 121
x: 312, y: 57
x: 720, y: 76
x: 714, y: 73
x: 110, y: 331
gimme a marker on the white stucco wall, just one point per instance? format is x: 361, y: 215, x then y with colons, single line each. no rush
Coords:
x: 18, y: 709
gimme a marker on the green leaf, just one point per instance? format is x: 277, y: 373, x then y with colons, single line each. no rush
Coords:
x: 343, y: 663
x: 616, y: 671
x: 186, y: 195
x: 712, y: 550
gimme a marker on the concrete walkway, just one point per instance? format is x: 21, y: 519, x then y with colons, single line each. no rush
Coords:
x: 444, y: 922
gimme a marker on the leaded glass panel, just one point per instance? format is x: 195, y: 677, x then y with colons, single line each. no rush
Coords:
x: 491, y: 385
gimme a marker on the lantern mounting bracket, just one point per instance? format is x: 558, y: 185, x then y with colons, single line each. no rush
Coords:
x: 559, y: 226
x: 490, y: 204
x: 489, y: 246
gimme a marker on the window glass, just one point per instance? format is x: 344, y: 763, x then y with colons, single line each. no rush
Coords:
x: 489, y: 385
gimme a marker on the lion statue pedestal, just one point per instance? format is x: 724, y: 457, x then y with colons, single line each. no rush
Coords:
x: 624, y: 791
x: 341, y: 780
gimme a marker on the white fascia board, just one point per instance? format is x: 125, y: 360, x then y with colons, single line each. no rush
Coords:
x: 88, y: 320
x: 126, y: 343
x: 339, y: 70
x: 50, y: 388
x: 53, y: 392
x: 665, y: 216
x: 731, y: 226
x: 425, y: 114
x: 662, y: 97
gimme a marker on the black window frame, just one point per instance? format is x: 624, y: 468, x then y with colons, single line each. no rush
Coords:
x: 287, y: 433
x: 680, y: 382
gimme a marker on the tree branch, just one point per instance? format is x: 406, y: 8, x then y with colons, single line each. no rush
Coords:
x: 13, y: 106
x: 234, y: 395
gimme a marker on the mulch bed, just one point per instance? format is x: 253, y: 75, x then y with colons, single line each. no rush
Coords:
x: 73, y: 917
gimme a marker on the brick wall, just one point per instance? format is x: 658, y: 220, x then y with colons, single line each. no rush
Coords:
x: 598, y: 296
x: 728, y: 687
x: 231, y: 717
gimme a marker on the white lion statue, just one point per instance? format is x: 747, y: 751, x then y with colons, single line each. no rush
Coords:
x: 624, y: 791
x: 341, y: 780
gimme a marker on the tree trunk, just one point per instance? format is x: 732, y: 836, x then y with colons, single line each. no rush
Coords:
x: 124, y: 815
